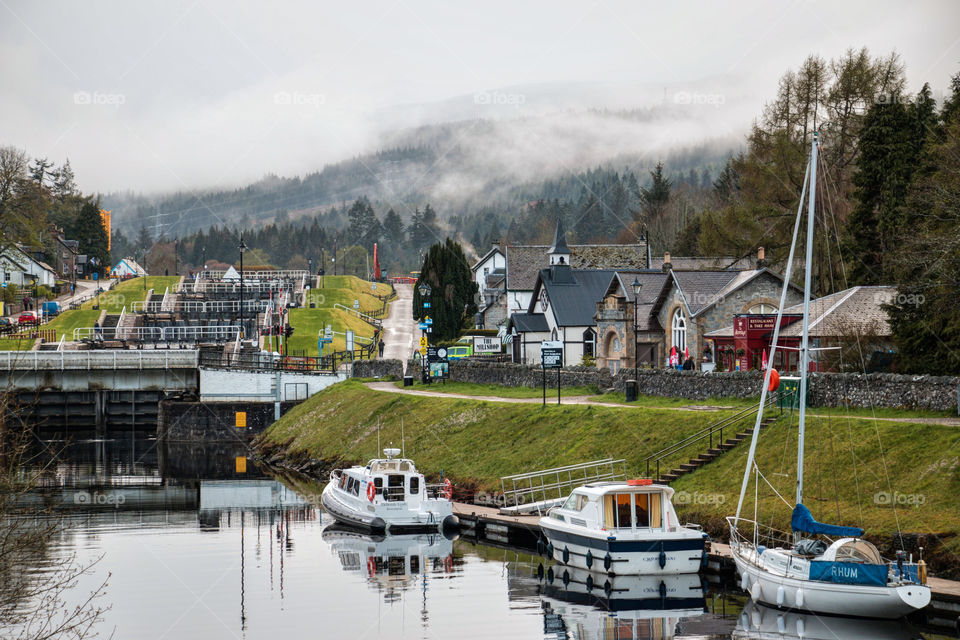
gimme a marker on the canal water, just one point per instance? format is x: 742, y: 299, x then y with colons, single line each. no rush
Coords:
x: 196, y: 542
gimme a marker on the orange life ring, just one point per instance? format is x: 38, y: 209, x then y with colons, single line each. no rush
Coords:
x: 371, y: 566
x: 448, y: 564
x: 371, y: 492
x: 774, y: 380
x: 447, y: 488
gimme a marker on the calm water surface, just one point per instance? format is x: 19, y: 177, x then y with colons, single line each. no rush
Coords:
x: 197, y: 547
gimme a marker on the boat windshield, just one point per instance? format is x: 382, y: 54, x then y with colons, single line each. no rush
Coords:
x: 858, y: 551
x: 576, y: 502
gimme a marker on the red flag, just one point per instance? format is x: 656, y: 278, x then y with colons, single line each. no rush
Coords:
x: 763, y: 364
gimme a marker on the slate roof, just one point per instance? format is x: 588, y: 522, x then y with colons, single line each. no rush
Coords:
x: 530, y: 322
x: 718, y: 263
x: 838, y: 314
x: 574, y: 304
x: 851, y: 311
x: 524, y: 262
x: 701, y: 288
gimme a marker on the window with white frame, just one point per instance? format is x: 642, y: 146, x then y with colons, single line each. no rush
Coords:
x: 679, y: 330
x: 762, y: 307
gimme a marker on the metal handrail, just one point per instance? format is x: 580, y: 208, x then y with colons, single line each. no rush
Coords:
x: 706, y: 433
x: 155, y: 334
x: 602, y: 470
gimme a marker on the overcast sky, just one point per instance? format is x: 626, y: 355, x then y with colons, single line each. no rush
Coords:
x: 174, y: 94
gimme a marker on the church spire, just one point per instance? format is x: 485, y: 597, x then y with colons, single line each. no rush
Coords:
x: 559, y: 252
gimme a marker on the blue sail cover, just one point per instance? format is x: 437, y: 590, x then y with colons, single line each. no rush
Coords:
x: 849, y: 573
x: 802, y: 520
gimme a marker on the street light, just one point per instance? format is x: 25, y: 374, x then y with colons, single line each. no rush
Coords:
x: 425, y: 290
x: 636, y: 347
x: 242, y: 247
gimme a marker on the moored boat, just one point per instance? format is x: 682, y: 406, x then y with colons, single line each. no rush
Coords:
x: 623, y: 528
x: 388, y: 495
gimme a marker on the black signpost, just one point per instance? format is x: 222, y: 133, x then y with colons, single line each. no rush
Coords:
x: 551, y: 357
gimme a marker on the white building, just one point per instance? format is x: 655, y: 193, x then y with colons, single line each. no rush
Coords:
x: 127, y: 268
x: 16, y: 267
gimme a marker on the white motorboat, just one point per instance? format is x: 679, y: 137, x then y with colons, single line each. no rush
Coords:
x: 630, y: 606
x: 388, y: 495
x: 623, y: 528
x: 841, y: 574
x: 757, y: 622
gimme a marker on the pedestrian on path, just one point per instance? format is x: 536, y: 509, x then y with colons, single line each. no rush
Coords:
x: 380, y: 346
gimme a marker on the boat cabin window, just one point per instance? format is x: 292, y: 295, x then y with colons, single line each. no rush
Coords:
x: 626, y: 510
x: 343, y: 481
x: 414, y: 485
x: 395, y: 487
x: 378, y: 483
x: 858, y: 551
x: 576, y: 502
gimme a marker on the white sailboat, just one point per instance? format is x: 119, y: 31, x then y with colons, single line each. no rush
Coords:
x: 846, y: 576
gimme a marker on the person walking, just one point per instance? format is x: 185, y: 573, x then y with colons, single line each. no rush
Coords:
x: 380, y: 346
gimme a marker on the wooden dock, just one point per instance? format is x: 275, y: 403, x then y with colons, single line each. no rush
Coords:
x: 489, y: 525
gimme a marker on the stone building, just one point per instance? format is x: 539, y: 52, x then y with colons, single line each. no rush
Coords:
x: 676, y: 310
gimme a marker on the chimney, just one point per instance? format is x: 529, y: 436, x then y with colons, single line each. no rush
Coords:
x: 495, y: 243
x: 667, y: 267
x: 761, y: 261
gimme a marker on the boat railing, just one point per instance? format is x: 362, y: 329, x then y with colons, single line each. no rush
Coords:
x: 757, y: 534
x: 542, y: 488
x: 708, y: 435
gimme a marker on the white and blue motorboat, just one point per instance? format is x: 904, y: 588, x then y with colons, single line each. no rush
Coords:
x: 623, y: 528
x: 388, y: 495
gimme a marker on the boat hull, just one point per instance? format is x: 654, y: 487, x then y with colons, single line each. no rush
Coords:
x: 671, y: 553
x: 380, y: 520
x: 781, y: 592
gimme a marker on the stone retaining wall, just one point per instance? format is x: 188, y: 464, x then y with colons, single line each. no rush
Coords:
x: 378, y: 369
x: 932, y: 393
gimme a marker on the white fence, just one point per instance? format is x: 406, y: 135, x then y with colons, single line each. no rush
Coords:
x: 199, y: 306
x: 90, y: 360
x: 158, y: 334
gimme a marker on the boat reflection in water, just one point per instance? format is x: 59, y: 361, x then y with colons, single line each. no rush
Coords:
x: 621, y: 607
x: 758, y: 622
x: 391, y: 563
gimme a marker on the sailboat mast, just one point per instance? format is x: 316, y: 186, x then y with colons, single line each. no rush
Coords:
x: 805, y: 340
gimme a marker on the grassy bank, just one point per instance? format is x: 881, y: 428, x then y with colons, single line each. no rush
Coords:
x: 473, y: 441
x: 342, y: 290
x: 130, y: 291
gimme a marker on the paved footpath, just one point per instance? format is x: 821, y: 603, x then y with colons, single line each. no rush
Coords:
x: 398, y: 326
x: 390, y: 387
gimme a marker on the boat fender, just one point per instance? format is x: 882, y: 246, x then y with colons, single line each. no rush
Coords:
x: 540, y: 571
x: 541, y: 548
x: 550, y: 549
x: 589, y: 583
x: 550, y: 575
x: 745, y: 582
x: 799, y: 598
x: 607, y: 588
x: 566, y: 555
x: 450, y: 525
x: 371, y: 566
x: 801, y: 627
x: 663, y: 556
x: 781, y: 625
x: 663, y: 589
x: 607, y: 562
x: 371, y: 492
x: 589, y: 559
x: 566, y: 577
x: 780, y: 599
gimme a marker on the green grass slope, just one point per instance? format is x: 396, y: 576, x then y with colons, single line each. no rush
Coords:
x: 473, y: 441
x: 336, y: 290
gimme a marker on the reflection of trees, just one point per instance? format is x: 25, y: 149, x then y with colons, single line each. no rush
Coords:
x: 34, y: 582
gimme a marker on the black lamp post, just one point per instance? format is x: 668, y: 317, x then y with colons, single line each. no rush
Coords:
x: 242, y: 247
x: 323, y: 266
x: 425, y: 290
x: 636, y: 347
x: 203, y: 252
